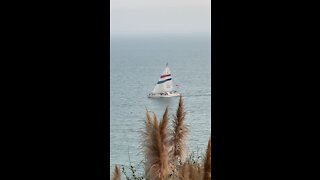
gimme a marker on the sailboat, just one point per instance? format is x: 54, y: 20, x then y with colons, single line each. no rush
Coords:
x: 164, y: 86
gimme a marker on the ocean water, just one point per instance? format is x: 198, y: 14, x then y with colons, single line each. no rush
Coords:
x: 135, y: 66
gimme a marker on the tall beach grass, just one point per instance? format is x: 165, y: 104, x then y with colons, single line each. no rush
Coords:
x: 164, y: 150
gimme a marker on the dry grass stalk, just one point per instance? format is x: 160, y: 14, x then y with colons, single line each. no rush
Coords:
x: 162, y: 151
x: 116, y: 173
x: 149, y: 119
x: 207, y: 162
x: 180, y: 131
x: 190, y: 171
x: 156, y: 148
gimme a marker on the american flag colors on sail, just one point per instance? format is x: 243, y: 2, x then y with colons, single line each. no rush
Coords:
x: 164, y: 78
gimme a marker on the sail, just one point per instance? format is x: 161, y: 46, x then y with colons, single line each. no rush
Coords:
x: 164, y: 83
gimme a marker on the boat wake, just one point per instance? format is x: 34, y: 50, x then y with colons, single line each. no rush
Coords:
x: 195, y: 95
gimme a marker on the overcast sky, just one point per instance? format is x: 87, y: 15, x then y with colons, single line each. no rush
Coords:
x: 139, y: 17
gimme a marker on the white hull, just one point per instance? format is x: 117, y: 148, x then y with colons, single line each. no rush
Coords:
x: 163, y: 95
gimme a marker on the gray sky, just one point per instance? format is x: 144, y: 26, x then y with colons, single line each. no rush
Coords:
x: 145, y: 17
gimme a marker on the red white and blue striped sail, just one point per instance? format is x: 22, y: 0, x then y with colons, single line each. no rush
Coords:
x: 164, y: 83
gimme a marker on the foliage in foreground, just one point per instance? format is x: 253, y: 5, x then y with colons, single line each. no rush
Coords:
x: 165, y: 151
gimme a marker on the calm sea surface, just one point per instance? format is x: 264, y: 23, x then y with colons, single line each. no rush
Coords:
x: 136, y: 64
